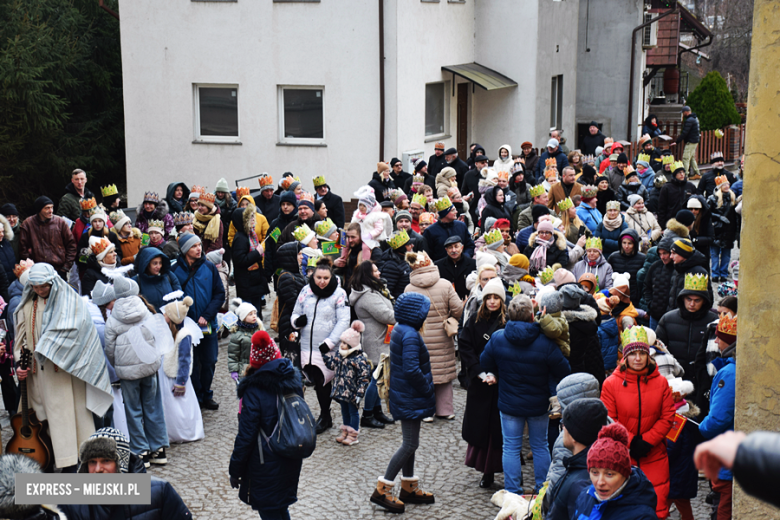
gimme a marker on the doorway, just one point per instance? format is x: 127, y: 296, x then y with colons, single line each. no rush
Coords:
x: 463, y: 123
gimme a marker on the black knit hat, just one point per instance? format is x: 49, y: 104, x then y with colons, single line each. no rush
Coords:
x: 419, y: 166
x: 685, y: 217
x: 583, y: 418
x: 8, y: 209
x: 40, y: 203
x: 539, y: 210
x: 288, y: 196
x: 622, y: 158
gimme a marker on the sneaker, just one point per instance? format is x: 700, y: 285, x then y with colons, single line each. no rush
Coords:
x: 159, y: 457
x: 146, y: 458
x: 428, y: 419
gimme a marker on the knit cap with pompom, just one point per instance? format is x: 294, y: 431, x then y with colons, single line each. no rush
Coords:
x: 177, y: 311
x: 610, y: 451
x: 351, y: 336
x: 263, y: 349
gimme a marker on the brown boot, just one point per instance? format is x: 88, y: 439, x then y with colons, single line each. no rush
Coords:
x: 343, y: 434
x: 411, y: 492
x: 352, y: 437
x: 383, y: 496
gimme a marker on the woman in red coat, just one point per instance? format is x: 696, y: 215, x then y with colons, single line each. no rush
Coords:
x: 638, y: 397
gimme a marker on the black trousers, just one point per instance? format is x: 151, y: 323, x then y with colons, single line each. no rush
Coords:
x: 315, y: 375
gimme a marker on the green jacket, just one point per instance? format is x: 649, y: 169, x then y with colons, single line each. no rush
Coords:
x: 556, y: 328
x: 69, y: 205
x: 238, y: 349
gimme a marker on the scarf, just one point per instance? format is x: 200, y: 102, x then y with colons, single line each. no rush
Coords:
x: 612, y: 224
x: 253, y: 240
x: 106, y: 266
x: 328, y: 291
x: 207, y: 226
x: 567, y: 188
x: 539, y: 256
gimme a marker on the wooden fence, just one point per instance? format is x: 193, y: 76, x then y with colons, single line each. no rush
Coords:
x: 732, y: 144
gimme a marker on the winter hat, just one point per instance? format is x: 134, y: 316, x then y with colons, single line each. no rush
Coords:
x: 610, y: 451
x: 636, y: 338
x: 562, y: 277
x: 633, y: 199
x: 551, y: 299
x: 643, y: 163
x: 494, y: 286
x: 571, y: 295
x: 490, y: 222
x: 591, y: 279
x: 419, y: 165
x: 325, y: 228
x: 125, y: 287
x: 485, y: 259
x: 394, y: 161
x: 685, y: 217
x: 694, y: 203
x: 620, y: 285
x: 8, y: 209
x: 119, y: 219
x: 381, y: 167
x: 40, y: 203
x: 215, y: 257
x: 263, y: 350
x: 244, y: 309
x: 368, y: 200
x: 10, y: 465
x: 289, y: 197
x: 106, y: 443
x: 454, y: 239
x: 727, y: 329
x: 683, y: 247
x: 100, y: 247
x: 403, y: 214
x: 351, y: 336
x: 584, y: 418
x: 98, y: 215
x: 418, y: 260
x: 222, y: 186
x: 103, y: 293
x: 665, y: 244
x: 519, y: 260
x: 187, y: 240
x: 539, y: 210
x: 545, y: 225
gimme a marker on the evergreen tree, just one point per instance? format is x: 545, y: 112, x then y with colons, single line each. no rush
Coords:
x: 713, y: 104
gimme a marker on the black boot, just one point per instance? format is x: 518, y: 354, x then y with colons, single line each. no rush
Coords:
x: 381, y: 417
x: 487, y: 480
x: 369, y: 421
x: 324, y: 423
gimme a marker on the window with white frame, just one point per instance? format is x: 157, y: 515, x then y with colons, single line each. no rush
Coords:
x: 436, y: 109
x: 556, y: 102
x: 216, y: 113
x: 301, y: 115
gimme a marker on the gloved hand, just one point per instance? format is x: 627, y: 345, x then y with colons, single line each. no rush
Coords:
x: 234, y: 375
x: 179, y: 390
x: 235, y: 482
x: 324, y: 348
x: 301, y: 321
x: 639, y: 448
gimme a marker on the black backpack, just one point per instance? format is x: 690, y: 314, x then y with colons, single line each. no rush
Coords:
x: 294, y: 436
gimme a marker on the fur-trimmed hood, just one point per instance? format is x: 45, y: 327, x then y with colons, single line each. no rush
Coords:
x: 278, y: 376
x: 9, y: 232
x: 159, y: 213
x: 10, y: 464
x: 584, y: 313
x: 560, y: 240
x: 249, y: 218
x: 673, y: 226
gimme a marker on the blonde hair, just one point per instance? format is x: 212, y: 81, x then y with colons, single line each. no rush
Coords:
x: 486, y: 267
x: 576, y: 222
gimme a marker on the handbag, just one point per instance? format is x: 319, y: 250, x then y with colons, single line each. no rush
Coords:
x: 275, y: 313
x: 450, y: 324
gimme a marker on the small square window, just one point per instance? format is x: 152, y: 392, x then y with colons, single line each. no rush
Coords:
x: 436, y: 109
x: 301, y: 115
x: 216, y: 113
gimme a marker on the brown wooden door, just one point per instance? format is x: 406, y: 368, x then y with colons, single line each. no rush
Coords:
x: 463, y: 120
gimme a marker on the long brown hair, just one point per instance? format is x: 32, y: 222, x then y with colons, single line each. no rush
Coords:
x: 484, y: 313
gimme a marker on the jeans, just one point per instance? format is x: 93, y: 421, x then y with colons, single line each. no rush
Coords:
x: 721, y: 257
x: 512, y: 428
x: 275, y: 514
x: 144, y: 413
x: 689, y: 158
x: 350, y: 416
x: 653, y: 323
x: 404, y: 457
x: 204, y: 360
x: 371, y: 399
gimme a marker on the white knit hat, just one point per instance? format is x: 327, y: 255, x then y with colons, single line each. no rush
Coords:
x: 620, y: 280
x: 494, y: 286
x: 244, y: 309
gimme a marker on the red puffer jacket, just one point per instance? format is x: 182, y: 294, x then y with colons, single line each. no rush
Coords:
x: 644, y: 405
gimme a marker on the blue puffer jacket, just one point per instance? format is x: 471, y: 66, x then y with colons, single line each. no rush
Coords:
x: 272, y: 485
x: 201, y: 281
x: 721, y: 416
x: 611, y: 239
x: 527, y: 364
x: 166, y: 505
x: 636, y: 502
x: 411, y: 381
x: 591, y: 217
x: 153, y: 288
x: 610, y: 341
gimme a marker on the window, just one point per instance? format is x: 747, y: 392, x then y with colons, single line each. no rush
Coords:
x: 556, y: 101
x: 436, y: 109
x: 301, y: 115
x: 649, y: 33
x: 216, y: 113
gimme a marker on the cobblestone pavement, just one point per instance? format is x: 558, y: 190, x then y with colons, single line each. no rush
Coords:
x: 336, y: 481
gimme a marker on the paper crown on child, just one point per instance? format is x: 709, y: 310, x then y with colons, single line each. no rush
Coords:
x: 427, y: 218
x: 727, y: 325
x: 677, y: 165
x: 565, y: 204
x: 546, y: 275
x: 720, y: 179
x: 319, y: 180
x: 696, y: 282
x: 536, y: 191
x: 398, y: 240
x: 418, y: 179
x: 109, y: 190
x: 551, y: 163
x: 208, y: 197
x: 493, y: 236
x: 323, y: 226
x: 156, y: 225
x: 242, y: 191
x: 645, y: 157
x: 151, y: 196
x: 287, y: 182
x: 265, y: 181
x: 667, y: 159
x: 394, y: 194
x: 88, y: 204
x: 593, y: 243
x: 420, y: 199
x: 613, y: 204
x: 502, y: 175
x: 182, y: 219
x: 443, y: 203
x: 303, y: 234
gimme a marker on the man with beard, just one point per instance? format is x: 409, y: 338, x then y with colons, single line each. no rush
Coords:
x: 46, y: 237
x: 567, y: 188
x: 707, y: 184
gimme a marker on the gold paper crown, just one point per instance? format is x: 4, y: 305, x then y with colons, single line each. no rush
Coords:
x: 588, y: 192
x: 551, y: 173
x: 720, y: 179
x: 241, y: 191
x: 88, y: 204
x: 427, y: 218
x: 633, y: 335
x: 263, y: 180
x: 399, y: 239
x: 667, y: 159
x: 109, y: 190
x: 546, y: 275
x: 439, y: 145
x: 565, y: 204
x: 22, y: 267
x: 696, y: 282
x: 727, y: 325
x: 643, y: 157
x: 287, y: 182
x: 551, y: 163
x: 208, y: 197
x: 159, y: 224
x: 493, y: 236
x: 323, y: 226
x: 394, y: 194
x: 502, y: 175
x: 319, y: 180
x: 443, y: 203
x: 302, y: 232
x: 536, y: 191
x: 613, y: 204
x: 307, y: 197
x: 677, y: 165
x: 198, y: 189
x: 420, y: 199
x: 418, y: 179
x: 100, y: 245
x: 593, y: 243
x: 628, y: 170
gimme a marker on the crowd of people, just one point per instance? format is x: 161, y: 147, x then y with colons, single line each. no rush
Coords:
x: 583, y: 298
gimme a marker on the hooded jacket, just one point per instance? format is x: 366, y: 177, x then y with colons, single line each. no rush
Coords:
x: 493, y: 208
x: 250, y: 278
x: 445, y: 303
x: 637, y: 501
x: 585, y: 350
x: 504, y: 165
x: 658, y: 284
x: 291, y: 281
x: 395, y: 271
x: 610, y: 239
x: 723, y: 226
x: 70, y: 205
x: 155, y: 287
x: 609, y: 338
x: 563, y: 494
x: 381, y: 186
x: 631, y: 264
x: 557, y: 253
x: 527, y: 364
x: 591, y: 217
x: 376, y: 312
x: 352, y: 374
x: 707, y: 185
x: 411, y: 384
x: 274, y: 484
x: 602, y: 270
x: 678, y: 277
x: 7, y: 255
x: 443, y: 183
x: 127, y: 349
x: 673, y: 197
x: 261, y: 223
x: 177, y: 205
x: 160, y: 213
x: 202, y: 283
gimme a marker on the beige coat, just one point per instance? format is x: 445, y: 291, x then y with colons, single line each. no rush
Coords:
x: 444, y: 304
x: 642, y: 223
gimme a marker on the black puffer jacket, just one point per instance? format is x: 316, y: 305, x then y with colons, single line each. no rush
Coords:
x: 630, y: 264
x: 690, y: 131
x: 584, y: 340
x: 381, y: 186
x: 673, y: 197
x: 291, y: 281
x: 724, y: 219
x: 272, y: 245
x: 93, y: 273
x: 395, y: 271
x: 697, y: 263
x: 628, y: 189
x: 658, y: 284
x: 251, y: 282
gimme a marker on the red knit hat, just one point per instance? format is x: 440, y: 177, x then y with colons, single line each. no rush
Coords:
x: 264, y: 349
x: 611, y: 450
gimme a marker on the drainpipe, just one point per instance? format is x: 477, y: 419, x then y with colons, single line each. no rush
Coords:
x: 630, y: 125
x: 108, y: 9
x: 381, y: 80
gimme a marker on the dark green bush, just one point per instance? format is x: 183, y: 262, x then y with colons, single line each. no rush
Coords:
x: 713, y: 104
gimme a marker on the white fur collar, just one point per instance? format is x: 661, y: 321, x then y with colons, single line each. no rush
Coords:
x: 584, y: 313
x: 345, y: 353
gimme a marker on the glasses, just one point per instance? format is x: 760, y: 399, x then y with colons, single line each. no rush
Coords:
x: 545, y: 234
